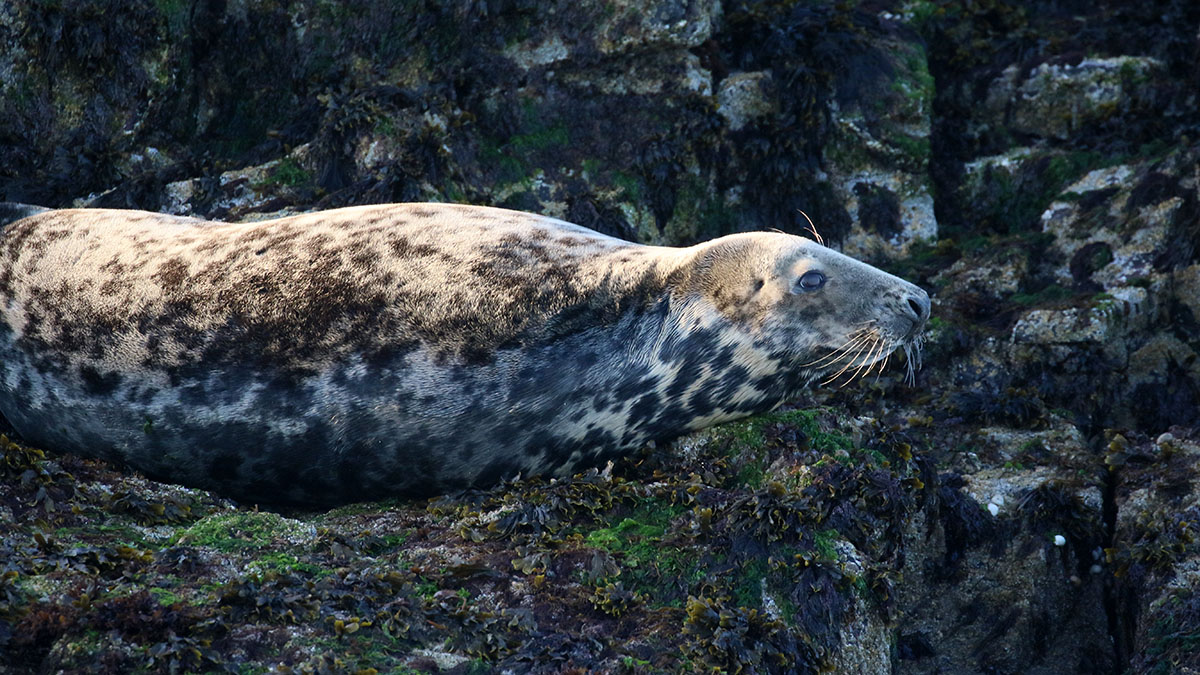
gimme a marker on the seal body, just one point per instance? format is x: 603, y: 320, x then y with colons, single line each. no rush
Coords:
x: 408, y: 349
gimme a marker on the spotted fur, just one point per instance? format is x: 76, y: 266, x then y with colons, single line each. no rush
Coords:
x: 406, y: 349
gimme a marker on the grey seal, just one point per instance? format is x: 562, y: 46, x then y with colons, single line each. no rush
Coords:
x: 408, y: 349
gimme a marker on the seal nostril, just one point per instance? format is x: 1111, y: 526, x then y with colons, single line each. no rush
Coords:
x: 919, y: 307
x: 916, y: 306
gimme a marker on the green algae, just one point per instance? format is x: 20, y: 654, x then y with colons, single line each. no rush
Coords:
x: 240, y: 531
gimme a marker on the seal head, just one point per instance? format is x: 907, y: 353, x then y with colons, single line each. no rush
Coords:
x: 409, y: 349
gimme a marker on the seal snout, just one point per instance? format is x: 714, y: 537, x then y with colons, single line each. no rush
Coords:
x: 916, y: 310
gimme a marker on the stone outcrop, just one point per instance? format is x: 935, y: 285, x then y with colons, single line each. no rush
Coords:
x: 1029, y: 504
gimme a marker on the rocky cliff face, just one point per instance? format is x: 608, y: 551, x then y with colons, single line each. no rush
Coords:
x: 1030, y: 505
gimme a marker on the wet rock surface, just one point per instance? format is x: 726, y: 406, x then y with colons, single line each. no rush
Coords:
x: 1029, y: 504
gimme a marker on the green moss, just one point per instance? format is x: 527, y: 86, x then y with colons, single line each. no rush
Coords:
x: 289, y: 173
x: 915, y: 147
x: 283, y: 562
x: 649, y: 566
x: 629, y: 184
x: 590, y: 167
x: 846, y: 152
x: 386, y: 126
x: 513, y: 158
x: 1173, y: 639
x: 976, y: 243
x: 1011, y: 200
x: 453, y: 193
x: 744, y: 442
x: 752, y: 474
x: 112, y: 531
x: 748, y: 590
x: 824, y: 543
x: 360, y: 508
x: 637, y: 535
x: 540, y: 139
x: 918, y: 67
x: 238, y: 531
x: 426, y: 589
x: 1049, y: 294
x: 922, y: 12
x: 507, y: 166
x: 165, y: 597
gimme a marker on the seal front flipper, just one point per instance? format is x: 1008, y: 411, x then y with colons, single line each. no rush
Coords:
x: 11, y: 212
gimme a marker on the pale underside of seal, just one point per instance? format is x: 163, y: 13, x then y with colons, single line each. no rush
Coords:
x: 408, y: 349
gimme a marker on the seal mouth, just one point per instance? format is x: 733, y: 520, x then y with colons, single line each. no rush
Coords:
x: 868, y: 349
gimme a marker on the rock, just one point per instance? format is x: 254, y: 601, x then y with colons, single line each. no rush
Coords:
x: 878, y: 158
x: 541, y: 54
x: 630, y: 26
x: 1108, y: 319
x: 1000, y: 565
x: 1155, y: 550
x: 1056, y: 100
x: 744, y: 96
x: 865, y: 637
x: 973, y: 522
x: 1187, y: 290
x: 253, y: 193
x: 989, y: 278
x: 1123, y: 239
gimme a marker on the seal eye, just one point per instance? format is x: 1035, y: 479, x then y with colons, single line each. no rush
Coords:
x: 811, y: 281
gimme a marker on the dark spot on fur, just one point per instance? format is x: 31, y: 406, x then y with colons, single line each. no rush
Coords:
x: 631, y: 388
x: 602, y: 402
x: 97, y: 383
x: 644, y: 410
x: 539, y: 444
x: 114, y: 286
x: 365, y: 257
x: 403, y: 249
x: 701, y: 404
x: 172, y: 274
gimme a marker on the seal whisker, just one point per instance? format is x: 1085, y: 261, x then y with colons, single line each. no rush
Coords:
x: 849, y: 363
x: 862, y: 362
x: 837, y: 352
x: 812, y: 228
x: 912, y: 359
x: 871, y: 360
x: 842, y: 354
x: 877, y: 357
x: 884, y: 363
